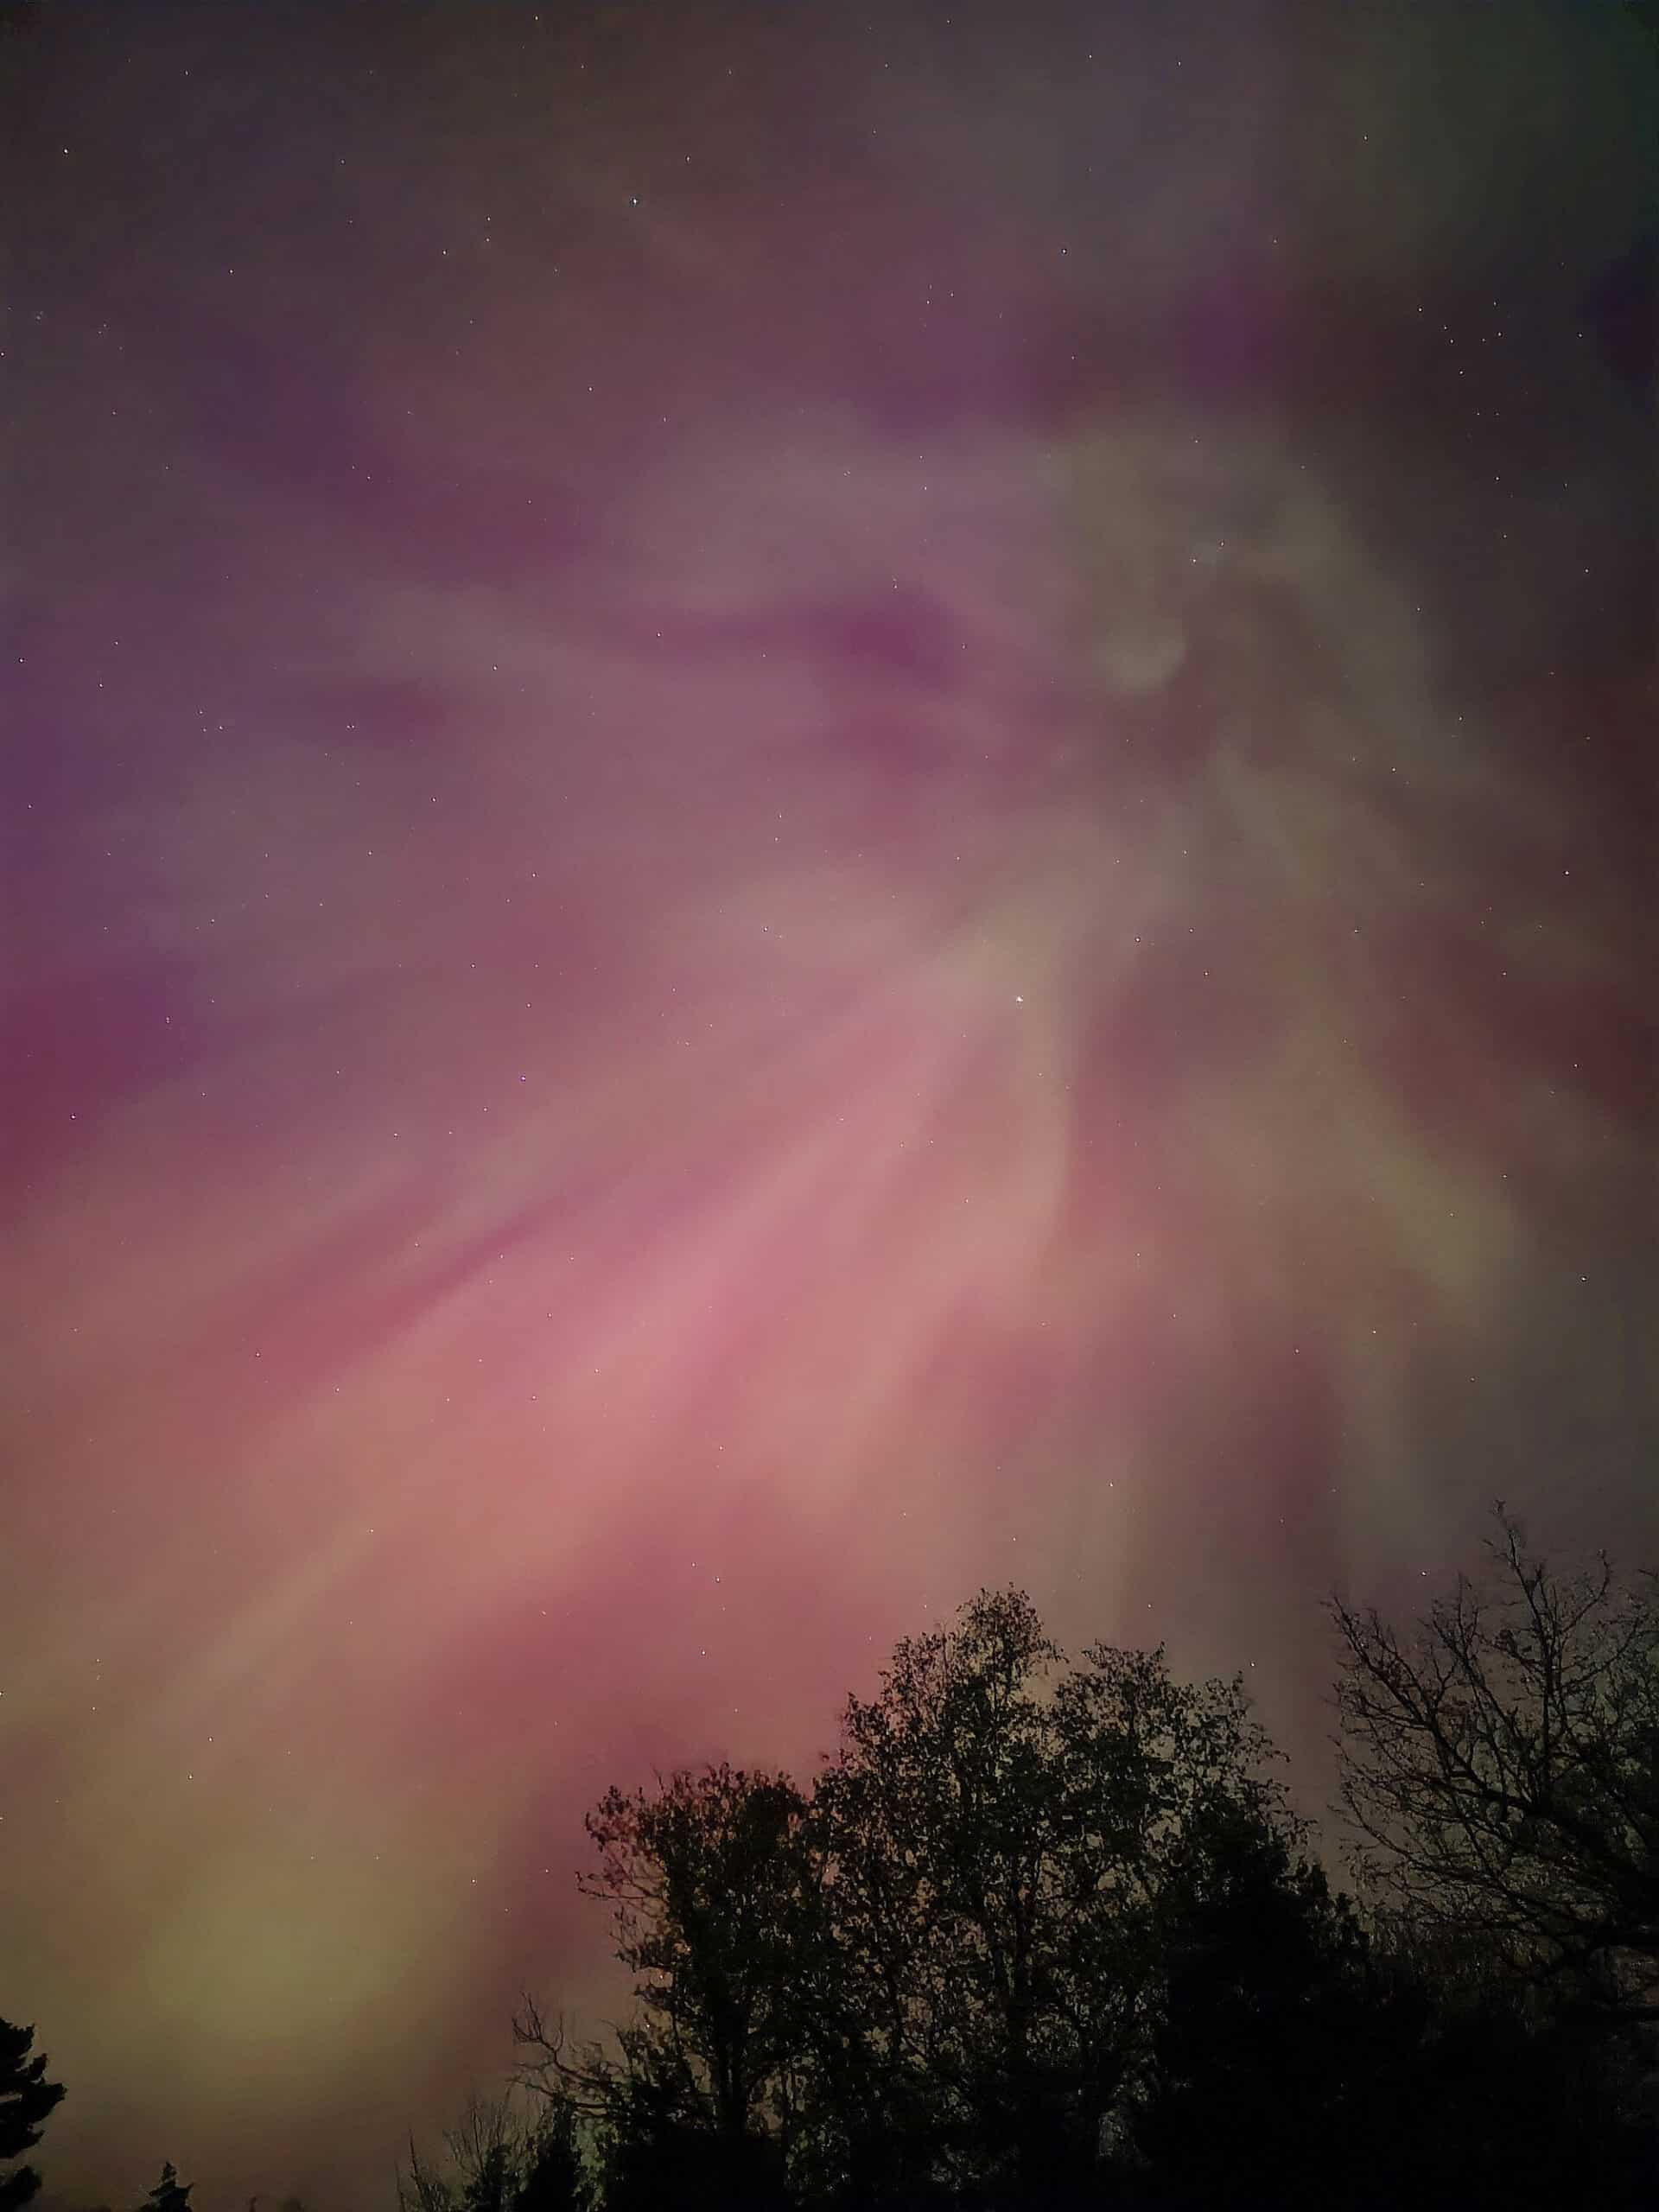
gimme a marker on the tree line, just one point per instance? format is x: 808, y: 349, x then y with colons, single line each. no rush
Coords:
x: 1045, y: 1932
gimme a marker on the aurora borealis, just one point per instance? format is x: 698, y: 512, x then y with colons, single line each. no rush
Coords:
x: 798, y: 811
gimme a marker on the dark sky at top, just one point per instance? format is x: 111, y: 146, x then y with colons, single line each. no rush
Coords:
x: 801, y: 806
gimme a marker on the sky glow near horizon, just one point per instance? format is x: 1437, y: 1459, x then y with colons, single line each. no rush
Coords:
x: 804, y: 817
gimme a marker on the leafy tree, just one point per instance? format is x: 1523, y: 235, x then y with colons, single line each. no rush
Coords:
x: 1005, y: 1843
x: 644, y: 2108
x: 713, y: 1890
x: 1500, y: 1773
x: 1045, y: 1934
x: 936, y: 1820
x: 27, y: 2100
x: 712, y: 1884
x: 937, y: 1978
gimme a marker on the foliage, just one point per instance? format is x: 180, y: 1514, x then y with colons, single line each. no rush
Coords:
x: 169, y: 2194
x: 1010, y: 1844
x: 27, y: 2101
x: 1044, y: 1934
x: 713, y: 1887
x: 937, y: 1975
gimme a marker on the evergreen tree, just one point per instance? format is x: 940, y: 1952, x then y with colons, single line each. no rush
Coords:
x: 27, y: 2100
x: 169, y: 2193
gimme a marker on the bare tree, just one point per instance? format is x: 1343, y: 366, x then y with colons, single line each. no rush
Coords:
x: 1499, y: 1772
x: 500, y: 2159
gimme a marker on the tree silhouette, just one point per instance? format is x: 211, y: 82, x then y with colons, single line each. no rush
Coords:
x: 711, y: 1886
x: 554, y: 2177
x: 1045, y: 1934
x: 1278, y: 2048
x: 713, y: 1889
x: 502, y: 2160
x: 1471, y: 2088
x: 937, y: 1820
x: 1007, y: 1842
x: 169, y: 2194
x: 933, y: 1978
x: 27, y: 2100
x: 1500, y: 1771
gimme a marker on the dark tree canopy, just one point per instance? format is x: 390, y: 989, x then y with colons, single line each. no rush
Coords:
x: 713, y: 1883
x: 1045, y: 1934
x: 1008, y: 1840
x: 1040, y: 1934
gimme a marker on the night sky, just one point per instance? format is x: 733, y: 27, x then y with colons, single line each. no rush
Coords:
x: 801, y: 806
